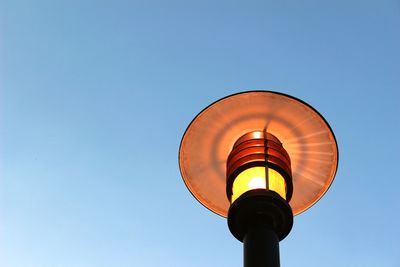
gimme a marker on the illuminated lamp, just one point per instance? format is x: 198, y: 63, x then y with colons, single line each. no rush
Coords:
x: 258, y: 158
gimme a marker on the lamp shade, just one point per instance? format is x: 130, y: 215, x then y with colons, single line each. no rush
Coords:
x: 303, y: 132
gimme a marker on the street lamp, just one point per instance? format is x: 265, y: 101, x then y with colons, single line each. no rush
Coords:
x: 258, y: 158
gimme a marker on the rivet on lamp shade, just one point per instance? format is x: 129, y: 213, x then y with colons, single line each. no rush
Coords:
x: 304, y: 133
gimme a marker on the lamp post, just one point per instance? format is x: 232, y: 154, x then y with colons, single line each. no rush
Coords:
x: 258, y: 158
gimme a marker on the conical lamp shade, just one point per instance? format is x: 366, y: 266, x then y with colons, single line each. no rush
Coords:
x: 304, y: 133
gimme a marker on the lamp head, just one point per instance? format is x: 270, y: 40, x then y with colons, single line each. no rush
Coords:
x: 259, y: 185
x: 258, y: 140
x: 258, y: 161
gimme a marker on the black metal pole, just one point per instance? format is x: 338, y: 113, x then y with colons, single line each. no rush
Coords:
x: 261, y: 247
x: 260, y: 219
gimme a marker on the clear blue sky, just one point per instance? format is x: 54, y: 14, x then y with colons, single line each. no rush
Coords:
x: 95, y: 96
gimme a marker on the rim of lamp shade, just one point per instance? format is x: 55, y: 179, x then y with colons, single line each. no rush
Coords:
x: 303, y: 131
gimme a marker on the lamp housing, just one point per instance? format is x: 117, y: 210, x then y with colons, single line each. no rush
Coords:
x: 219, y: 129
x: 258, y: 161
x: 259, y: 185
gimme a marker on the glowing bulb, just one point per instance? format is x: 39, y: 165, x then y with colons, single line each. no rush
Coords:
x: 257, y: 182
x: 254, y: 178
x: 249, y: 179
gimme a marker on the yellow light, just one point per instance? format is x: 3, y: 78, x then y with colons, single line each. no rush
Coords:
x: 254, y: 178
x: 257, y: 182
x: 277, y: 183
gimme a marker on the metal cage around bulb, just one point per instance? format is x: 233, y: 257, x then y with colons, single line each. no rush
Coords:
x: 258, y: 161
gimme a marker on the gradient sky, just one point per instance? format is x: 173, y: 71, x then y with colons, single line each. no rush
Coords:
x: 95, y: 97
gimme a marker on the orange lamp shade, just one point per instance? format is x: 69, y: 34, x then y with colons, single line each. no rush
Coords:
x: 305, y: 135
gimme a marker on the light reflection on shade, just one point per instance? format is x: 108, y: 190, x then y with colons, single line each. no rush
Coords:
x: 254, y: 178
